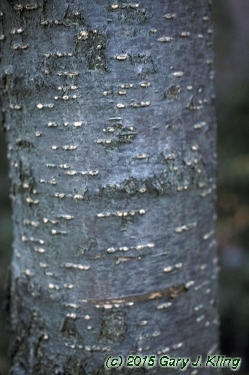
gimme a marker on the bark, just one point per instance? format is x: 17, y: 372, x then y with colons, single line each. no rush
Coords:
x: 110, y: 124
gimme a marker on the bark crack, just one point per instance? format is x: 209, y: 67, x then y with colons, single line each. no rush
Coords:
x: 171, y: 292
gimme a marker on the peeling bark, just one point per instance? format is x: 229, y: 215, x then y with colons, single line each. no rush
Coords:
x: 110, y: 123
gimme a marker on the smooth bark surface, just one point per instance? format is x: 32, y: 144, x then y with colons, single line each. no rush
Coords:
x: 109, y: 117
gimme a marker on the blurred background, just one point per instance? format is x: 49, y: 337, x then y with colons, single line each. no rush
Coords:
x: 231, y: 41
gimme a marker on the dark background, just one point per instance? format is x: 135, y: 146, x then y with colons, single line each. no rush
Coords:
x: 231, y: 22
x: 231, y: 40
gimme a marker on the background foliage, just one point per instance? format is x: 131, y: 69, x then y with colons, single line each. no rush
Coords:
x: 231, y: 20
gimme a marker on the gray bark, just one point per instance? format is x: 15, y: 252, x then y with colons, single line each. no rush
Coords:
x: 110, y: 124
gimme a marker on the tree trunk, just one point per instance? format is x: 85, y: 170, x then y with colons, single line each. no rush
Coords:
x: 110, y: 124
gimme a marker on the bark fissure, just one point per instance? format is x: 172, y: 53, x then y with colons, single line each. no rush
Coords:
x: 171, y: 292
